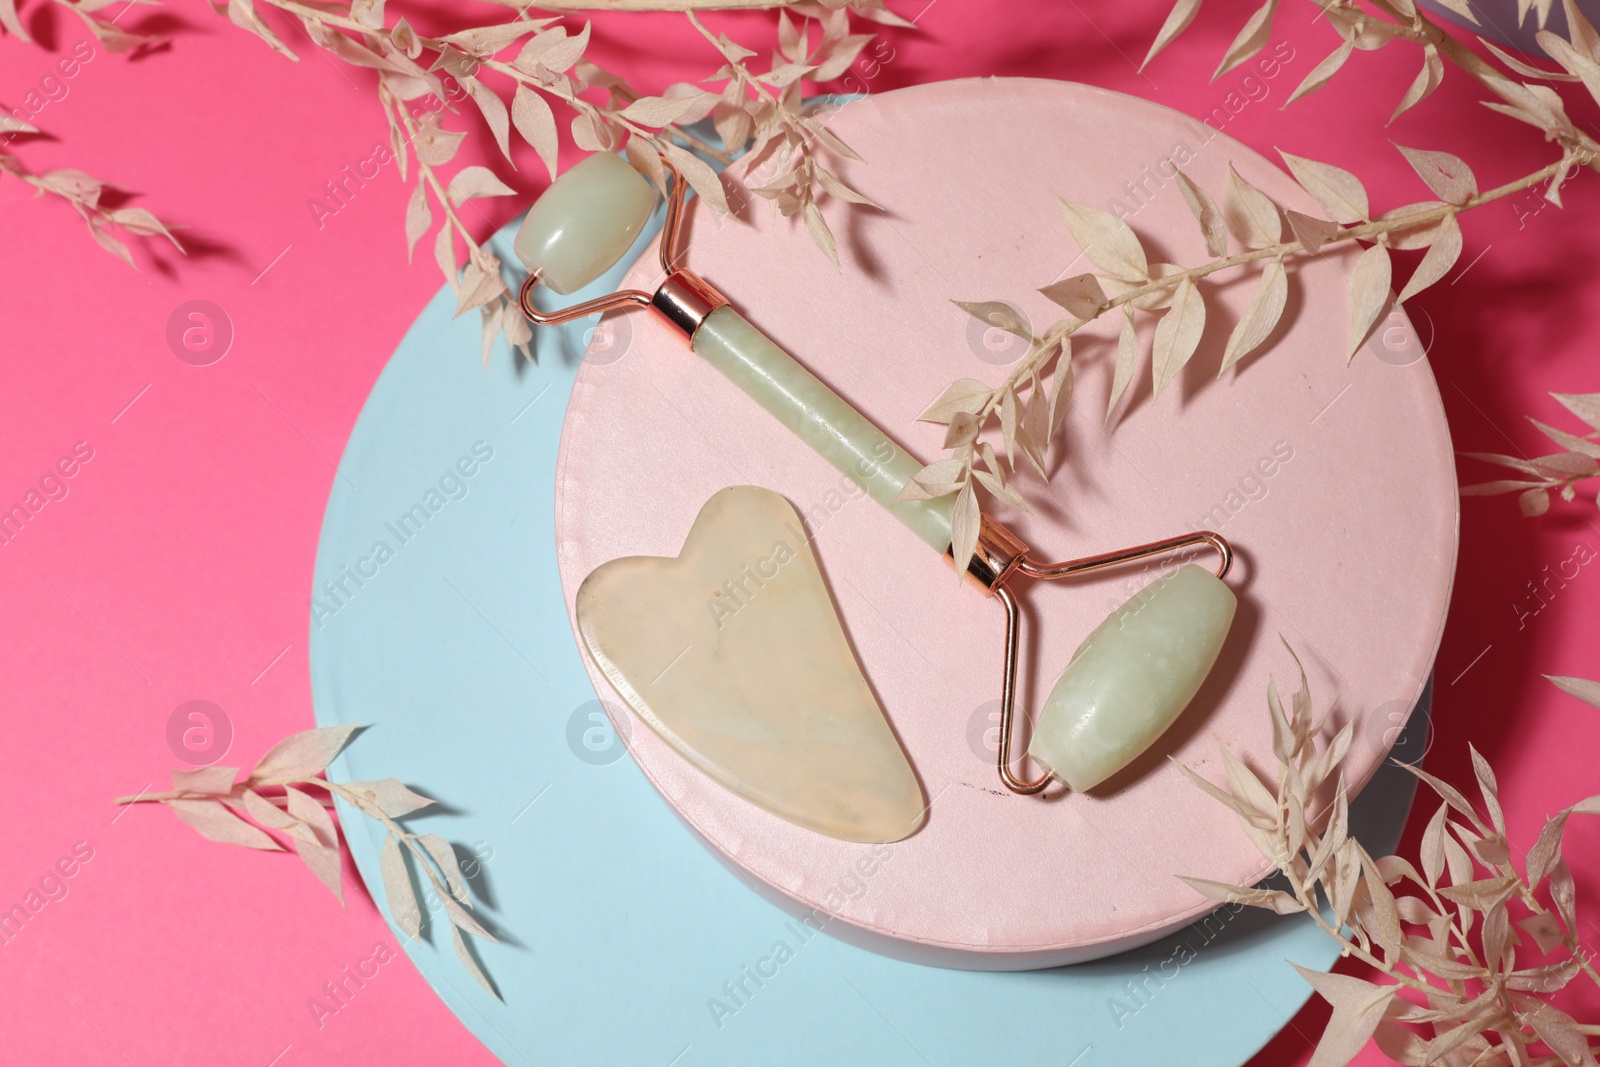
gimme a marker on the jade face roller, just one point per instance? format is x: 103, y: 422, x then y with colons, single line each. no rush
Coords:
x: 1125, y: 685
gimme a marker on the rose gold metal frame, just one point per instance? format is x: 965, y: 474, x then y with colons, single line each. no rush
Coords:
x: 684, y: 300
x: 1000, y: 557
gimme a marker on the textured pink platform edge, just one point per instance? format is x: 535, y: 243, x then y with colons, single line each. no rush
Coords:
x: 767, y: 853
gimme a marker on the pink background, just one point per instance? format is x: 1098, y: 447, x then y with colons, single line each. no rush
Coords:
x: 177, y: 566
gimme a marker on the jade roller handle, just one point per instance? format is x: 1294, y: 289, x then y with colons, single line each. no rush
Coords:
x: 821, y: 418
x: 1128, y: 681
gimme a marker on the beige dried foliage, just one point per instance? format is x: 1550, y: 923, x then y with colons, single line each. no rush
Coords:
x: 1459, y: 983
x: 275, y: 802
x: 1126, y: 278
x: 1558, y: 472
x: 509, y: 71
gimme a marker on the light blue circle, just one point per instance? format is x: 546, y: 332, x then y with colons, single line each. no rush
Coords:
x: 625, y: 941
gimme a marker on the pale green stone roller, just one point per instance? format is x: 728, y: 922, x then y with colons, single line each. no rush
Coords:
x: 1125, y: 686
x: 1132, y: 677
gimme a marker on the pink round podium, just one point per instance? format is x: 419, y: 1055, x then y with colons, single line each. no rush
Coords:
x: 1334, y: 481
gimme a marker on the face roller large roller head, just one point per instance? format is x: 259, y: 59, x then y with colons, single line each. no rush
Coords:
x: 1127, y: 682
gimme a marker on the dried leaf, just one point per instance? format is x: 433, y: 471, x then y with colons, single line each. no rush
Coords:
x: 1008, y: 424
x: 1178, y: 333
x: 302, y: 755
x: 265, y: 811
x: 1340, y: 193
x: 1433, y: 846
x: 1271, y: 899
x: 964, y: 518
x: 1419, y: 234
x: 12, y: 24
x: 1385, y: 925
x: 996, y: 313
x: 1212, y: 225
x: 1127, y: 356
x: 836, y: 186
x: 1252, y: 218
x: 1251, y: 39
x: 418, y: 218
x: 1427, y: 80
x: 204, y: 780
x: 140, y: 221
x: 397, y: 888
x: 1178, y: 19
x: 1061, y: 385
x: 435, y: 145
x: 390, y: 797
x: 1571, y: 442
x: 476, y: 181
x: 1441, y: 256
x: 1238, y: 807
x: 1369, y: 294
x: 592, y: 133
x: 1582, y: 688
x: 494, y: 114
x: 110, y: 243
x: 444, y: 254
x: 483, y: 41
x: 1557, y: 1029
x: 658, y: 111
x: 1448, y: 176
x: 1312, y: 233
x: 963, y: 430
x: 1489, y: 788
x: 1551, y: 978
x: 1533, y: 503
x: 1107, y: 241
x: 821, y: 235
x: 214, y: 822
x: 1584, y: 405
x: 1005, y: 492
x: 1563, y: 894
x: 701, y: 178
x: 1081, y: 295
x: 1450, y: 1040
x: 1482, y: 894
x: 1358, y: 1007
x: 242, y: 13
x: 962, y: 395
x: 537, y: 125
x: 1260, y: 317
x: 464, y: 954
x: 1448, y: 793
x: 322, y: 859
x: 1544, y: 930
x: 1321, y: 73
x: 1337, y: 833
x: 553, y: 50
x: 444, y: 855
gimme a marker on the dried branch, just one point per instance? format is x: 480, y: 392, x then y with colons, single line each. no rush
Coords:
x: 273, y: 805
x: 1471, y: 939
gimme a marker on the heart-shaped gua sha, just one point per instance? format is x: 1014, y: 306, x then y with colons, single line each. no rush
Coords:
x: 733, y: 653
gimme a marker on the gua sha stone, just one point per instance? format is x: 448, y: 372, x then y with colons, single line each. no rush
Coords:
x: 733, y: 653
x: 1132, y: 677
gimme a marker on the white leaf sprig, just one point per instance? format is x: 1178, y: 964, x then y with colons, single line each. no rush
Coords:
x: 275, y: 801
x: 1465, y: 985
x: 1127, y: 279
x: 1560, y: 472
